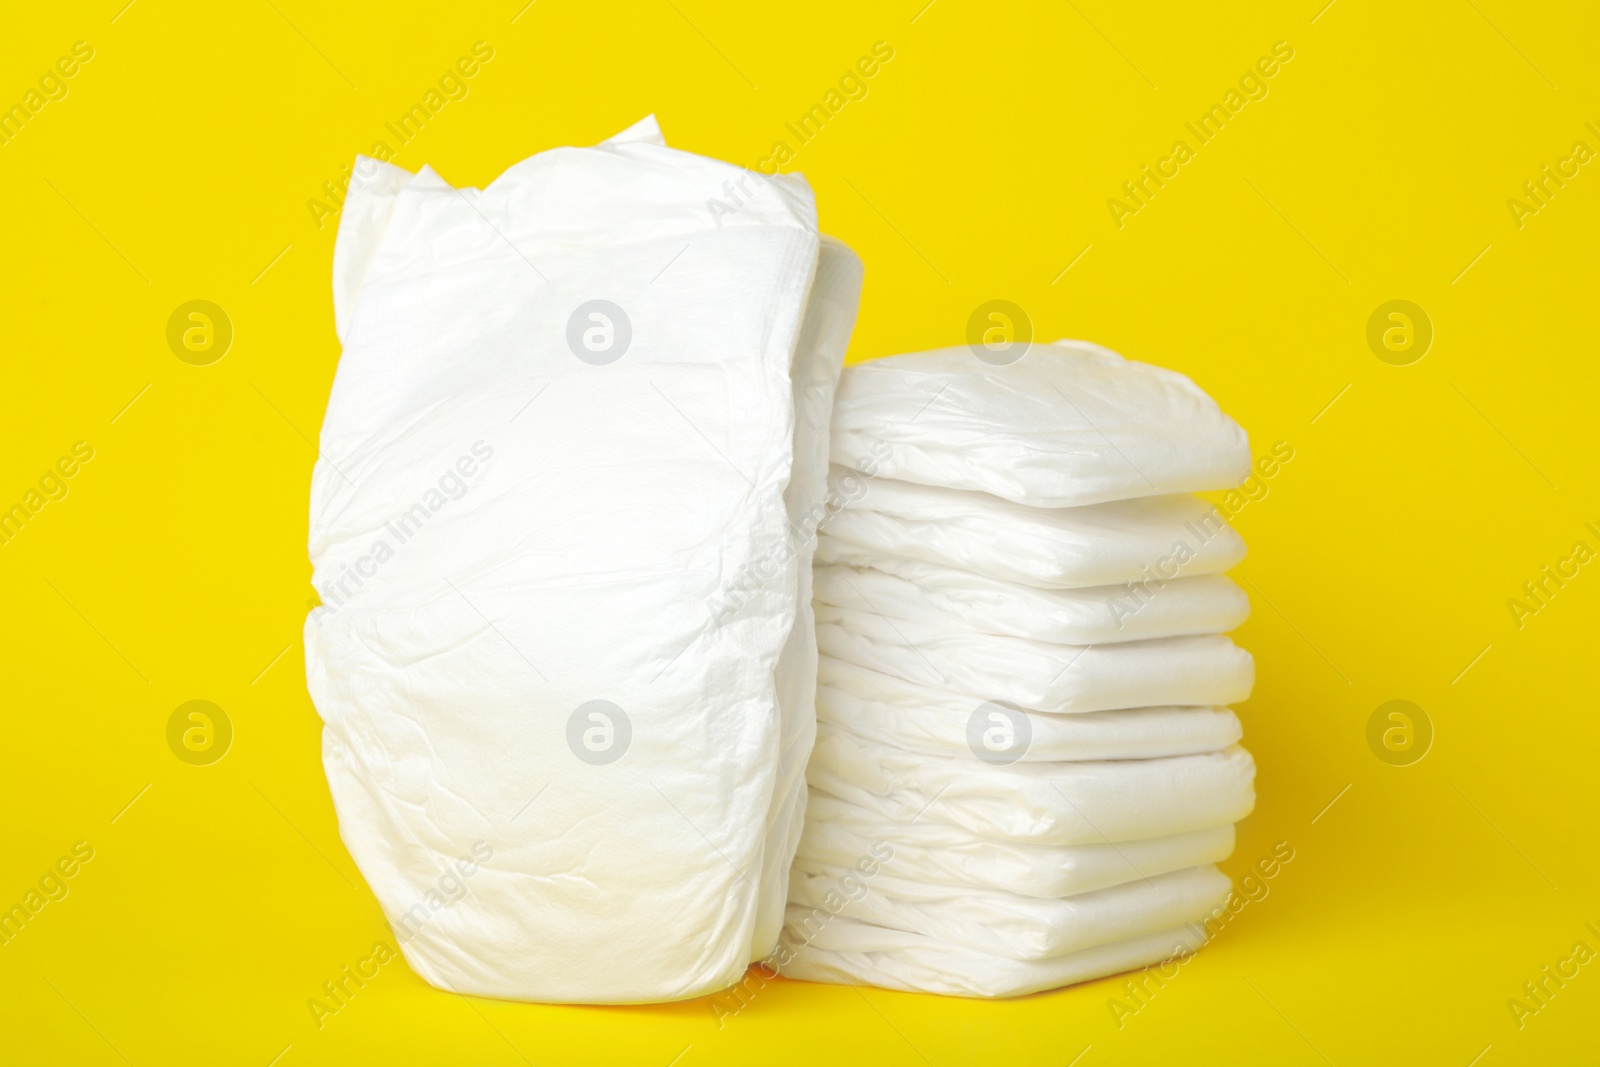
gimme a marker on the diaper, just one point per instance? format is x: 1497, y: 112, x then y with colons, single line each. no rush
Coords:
x: 881, y: 522
x: 1038, y: 803
x: 1000, y: 923
x: 1200, y: 670
x: 911, y: 589
x: 562, y: 655
x: 882, y: 708
x: 846, y: 950
x: 1070, y: 423
x: 839, y: 834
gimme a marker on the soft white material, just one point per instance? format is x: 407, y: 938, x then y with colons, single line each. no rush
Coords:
x: 1158, y: 537
x: 839, y: 833
x: 825, y: 332
x: 558, y: 532
x: 1071, y: 423
x: 1199, y: 670
x: 883, y: 708
x: 1023, y: 767
x: 1041, y: 803
x: 1005, y: 924
x: 848, y: 951
x: 1205, y: 604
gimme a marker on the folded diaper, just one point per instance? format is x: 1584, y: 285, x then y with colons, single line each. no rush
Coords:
x: 1200, y: 670
x: 883, y: 708
x: 849, y: 951
x: 562, y: 656
x: 1041, y: 803
x: 883, y: 521
x: 1001, y: 923
x: 911, y: 589
x: 839, y: 833
x: 1071, y: 423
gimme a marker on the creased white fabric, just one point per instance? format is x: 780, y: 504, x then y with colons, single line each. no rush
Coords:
x: 1070, y: 423
x: 1025, y: 764
x: 848, y: 951
x: 884, y: 522
x: 1199, y: 669
x: 911, y: 589
x: 838, y: 833
x: 558, y: 531
x: 879, y: 707
x: 1041, y: 803
x: 1003, y: 923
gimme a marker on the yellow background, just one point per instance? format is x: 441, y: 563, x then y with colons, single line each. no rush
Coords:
x: 978, y: 167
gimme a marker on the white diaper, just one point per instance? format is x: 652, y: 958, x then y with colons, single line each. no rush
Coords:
x: 562, y: 658
x: 1040, y: 803
x: 839, y: 833
x: 911, y: 589
x: 848, y: 951
x: 1070, y: 423
x: 882, y: 708
x: 1001, y: 923
x: 1200, y: 670
x: 882, y: 522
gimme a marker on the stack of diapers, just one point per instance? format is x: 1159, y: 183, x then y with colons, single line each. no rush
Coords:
x: 565, y: 654
x: 1025, y: 766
